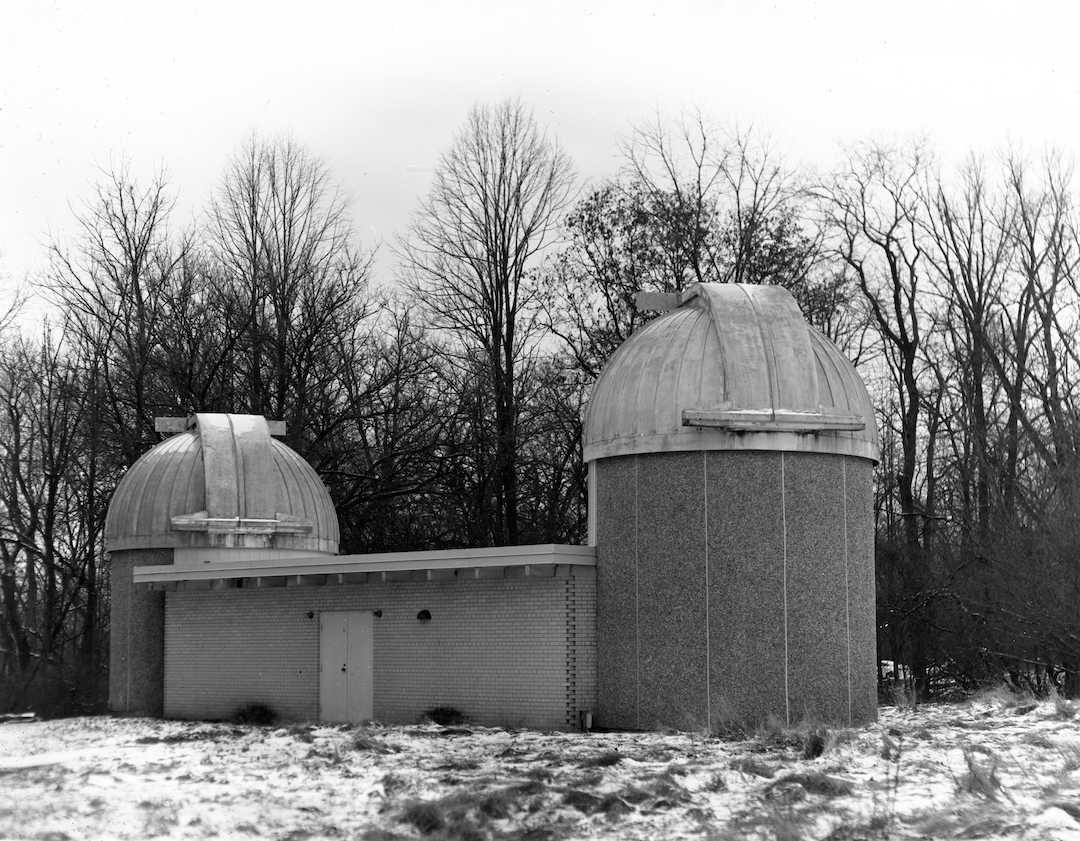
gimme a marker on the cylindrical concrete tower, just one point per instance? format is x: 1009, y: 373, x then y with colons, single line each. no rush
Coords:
x: 221, y: 484
x: 731, y: 449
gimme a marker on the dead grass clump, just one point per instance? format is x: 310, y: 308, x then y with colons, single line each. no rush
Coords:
x: 785, y: 792
x: 379, y: 834
x: 665, y: 792
x: 660, y: 792
x: 726, y: 723
x: 754, y: 767
x: 605, y: 759
x: 1070, y: 753
x: 635, y: 795
x: 870, y: 831
x: 302, y: 733
x: 1003, y: 695
x: 584, y: 802
x: 892, y: 746
x: 654, y: 753
x: 363, y: 742
x: 935, y: 823
x: 716, y: 784
x: 615, y: 807
x: 785, y: 823
x: 460, y: 817
x: 814, y: 742
x: 460, y: 765
x: 1038, y: 740
x: 531, y: 788
x: 426, y: 815
x: 1063, y: 708
x: 810, y: 738
x: 729, y: 731
x: 981, y: 777
x: 900, y: 694
x: 497, y: 805
x: 774, y: 730
x: 592, y: 778
x: 815, y: 782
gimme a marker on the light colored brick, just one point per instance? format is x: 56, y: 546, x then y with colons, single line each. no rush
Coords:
x: 517, y: 652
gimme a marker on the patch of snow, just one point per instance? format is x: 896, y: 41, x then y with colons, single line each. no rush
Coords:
x: 984, y: 769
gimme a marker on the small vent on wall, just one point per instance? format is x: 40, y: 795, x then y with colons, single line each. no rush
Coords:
x: 424, y: 616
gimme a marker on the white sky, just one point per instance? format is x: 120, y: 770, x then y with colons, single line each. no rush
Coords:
x: 379, y: 88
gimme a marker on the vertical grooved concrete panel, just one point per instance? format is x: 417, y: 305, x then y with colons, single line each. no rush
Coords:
x: 746, y: 586
x: 862, y: 588
x: 616, y: 589
x: 672, y: 593
x: 136, y: 635
x: 734, y: 586
x: 816, y: 586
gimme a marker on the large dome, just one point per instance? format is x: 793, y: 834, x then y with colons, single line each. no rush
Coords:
x: 224, y: 482
x: 730, y: 367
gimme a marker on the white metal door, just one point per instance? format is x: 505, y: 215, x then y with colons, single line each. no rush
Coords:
x: 346, y: 662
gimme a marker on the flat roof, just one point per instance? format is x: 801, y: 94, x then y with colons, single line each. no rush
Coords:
x: 210, y: 565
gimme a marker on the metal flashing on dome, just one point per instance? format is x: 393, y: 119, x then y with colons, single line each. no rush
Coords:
x: 175, y: 425
x: 665, y: 301
x: 728, y: 367
x: 222, y: 481
x: 281, y: 524
x: 771, y: 420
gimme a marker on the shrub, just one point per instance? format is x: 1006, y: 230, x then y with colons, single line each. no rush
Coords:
x: 445, y: 716
x: 257, y: 714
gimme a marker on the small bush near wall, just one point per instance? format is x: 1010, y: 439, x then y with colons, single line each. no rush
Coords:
x: 445, y: 716
x: 258, y: 714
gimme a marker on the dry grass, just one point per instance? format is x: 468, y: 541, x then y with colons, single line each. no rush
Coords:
x: 933, y: 772
x: 982, y: 772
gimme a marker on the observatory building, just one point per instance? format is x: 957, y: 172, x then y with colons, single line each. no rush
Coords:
x: 729, y: 573
x: 731, y: 451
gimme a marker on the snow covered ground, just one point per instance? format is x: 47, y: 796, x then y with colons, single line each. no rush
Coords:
x: 993, y: 768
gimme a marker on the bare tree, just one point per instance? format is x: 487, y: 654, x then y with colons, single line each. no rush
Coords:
x: 496, y: 202
x: 695, y: 202
x: 51, y: 605
x: 874, y: 212
x: 292, y: 271
x: 969, y: 250
x: 12, y: 300
x: 111, y: 287
x: 721, y: 200
x: 589, y: 286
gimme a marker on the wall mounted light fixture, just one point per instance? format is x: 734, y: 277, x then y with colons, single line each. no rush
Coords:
x: 424, y: 616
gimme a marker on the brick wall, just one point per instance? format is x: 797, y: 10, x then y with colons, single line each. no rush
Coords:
x: 506, y: 651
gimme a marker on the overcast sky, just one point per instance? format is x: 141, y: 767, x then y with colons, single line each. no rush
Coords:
x: 379, y: 88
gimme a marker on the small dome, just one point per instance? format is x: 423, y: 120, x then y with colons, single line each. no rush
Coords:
x: 224, y: 482
x: 730, y: 367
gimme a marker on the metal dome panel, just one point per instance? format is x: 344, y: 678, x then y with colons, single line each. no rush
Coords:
x: 731, y: 367
x: 223, y: 483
